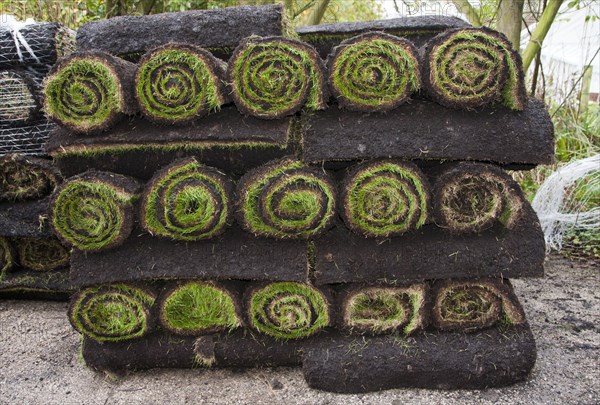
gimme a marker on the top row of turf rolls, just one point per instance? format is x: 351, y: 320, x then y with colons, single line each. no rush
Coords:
x: 273, y: 77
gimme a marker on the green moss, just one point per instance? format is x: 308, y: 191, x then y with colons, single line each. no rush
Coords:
x: 198, y: 307
x: 381, y: 310
x: 111, y: 313
x: 42, y: 254
x: 177, y: 84
x: 288, y: 310
x: 385, y: 198
x: 90, y: 215
x: 6, y: 256
x: 187, y: 201
x: 274, y: 77
x: 475, y: 67
x: 85, y: 94
x: 374, y: 73
x: 286, y: 200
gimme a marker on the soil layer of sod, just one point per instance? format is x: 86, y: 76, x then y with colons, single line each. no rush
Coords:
x: 26, y: 218
x: 235, y: 255
x: 218, y: 31
x: 342, y: 256
x: 417, y: 29
x: 426, y: 130
x: 444, y: 360
x: 20, y: 283
x: 225, y: 140
x: 237, y: 349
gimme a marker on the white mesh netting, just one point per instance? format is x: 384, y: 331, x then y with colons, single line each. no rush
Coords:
x: 17, y: 100
x: 28, y: 140
x: 563, y: 201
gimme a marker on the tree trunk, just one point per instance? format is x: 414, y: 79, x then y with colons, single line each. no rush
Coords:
x: 510, y: 15
x: 538, y: 35
x: 317, y: 13
x: 468, y: 11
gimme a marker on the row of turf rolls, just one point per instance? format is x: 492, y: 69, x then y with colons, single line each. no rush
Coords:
x: 39, y: 254
x: 274, y: 77
x: 290, y: 310
x: 284, y: 199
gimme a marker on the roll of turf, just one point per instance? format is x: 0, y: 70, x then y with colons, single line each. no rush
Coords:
x: 112, y: 313
x: 373, y: 72
x: 41, y: 254
x: 25, y: 178
x: 197, y: 308
x: 276, y: 76
x: 287, y: 310
x: 88, y: 92
x: 19, y: 98
x: 177, y: 83
x: 47, y: 41
x: 94, y: 211
x: 473, y: 67
x: 380, y: 310
x: 285, y: 199
x: 473, y: 305
x: 385, y: 198
x: 187, y: 201
x: 7, y: 256
x: 472, y: 197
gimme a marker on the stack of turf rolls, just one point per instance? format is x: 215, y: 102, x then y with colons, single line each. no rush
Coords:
x: 27, y: 52
x: 33, y: 263
x: 331, y: 198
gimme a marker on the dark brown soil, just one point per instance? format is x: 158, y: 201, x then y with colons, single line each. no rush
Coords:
x: 216, y: 30
x: 225, y: 140
x: 417, y: 29
x: 27, y: 218
x: 426, y: 130
x: 21, y: 283
x: 235, y: 255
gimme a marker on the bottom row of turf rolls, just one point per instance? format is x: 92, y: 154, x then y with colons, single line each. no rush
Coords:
x: 291, y: 310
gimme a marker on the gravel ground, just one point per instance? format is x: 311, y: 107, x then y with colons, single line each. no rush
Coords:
x: 39, y: 359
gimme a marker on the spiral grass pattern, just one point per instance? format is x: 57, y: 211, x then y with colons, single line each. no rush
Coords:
x: 195, y: 308
x: 275, y: 76
x: 87, y: 92
x: 471, y: 198
x: 378, y: 310
x: 385, y: 198
x: 288, y: 310
x: 473, y: 67
x: 285, y: 199
x: 373, y: 72
x: 112, y: 313
x: 42, y: 254
x: 187, y: 201
x: 94, y: 211
x: 23, y: 178
x: 175, y: 84
x: 7, y: 256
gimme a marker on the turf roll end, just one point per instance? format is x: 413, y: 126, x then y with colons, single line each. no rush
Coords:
x: 273, y: 77
x: 473, y: 67
x: 94, y: 211
x: 385, y: 198
x: 88, y: 92
x: 472, y: 197
x: 286, y: 199
x: 373, y: 72
x: 196, y: 308
x: 187, y: 201
x: 288, y: 310
x: 24, y: 177
x: 112, y: 313
x: 7, y: 256
x: 42, y: 254
x: 176, y: 84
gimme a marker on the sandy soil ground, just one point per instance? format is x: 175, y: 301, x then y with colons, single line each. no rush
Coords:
x: 39, y: 359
